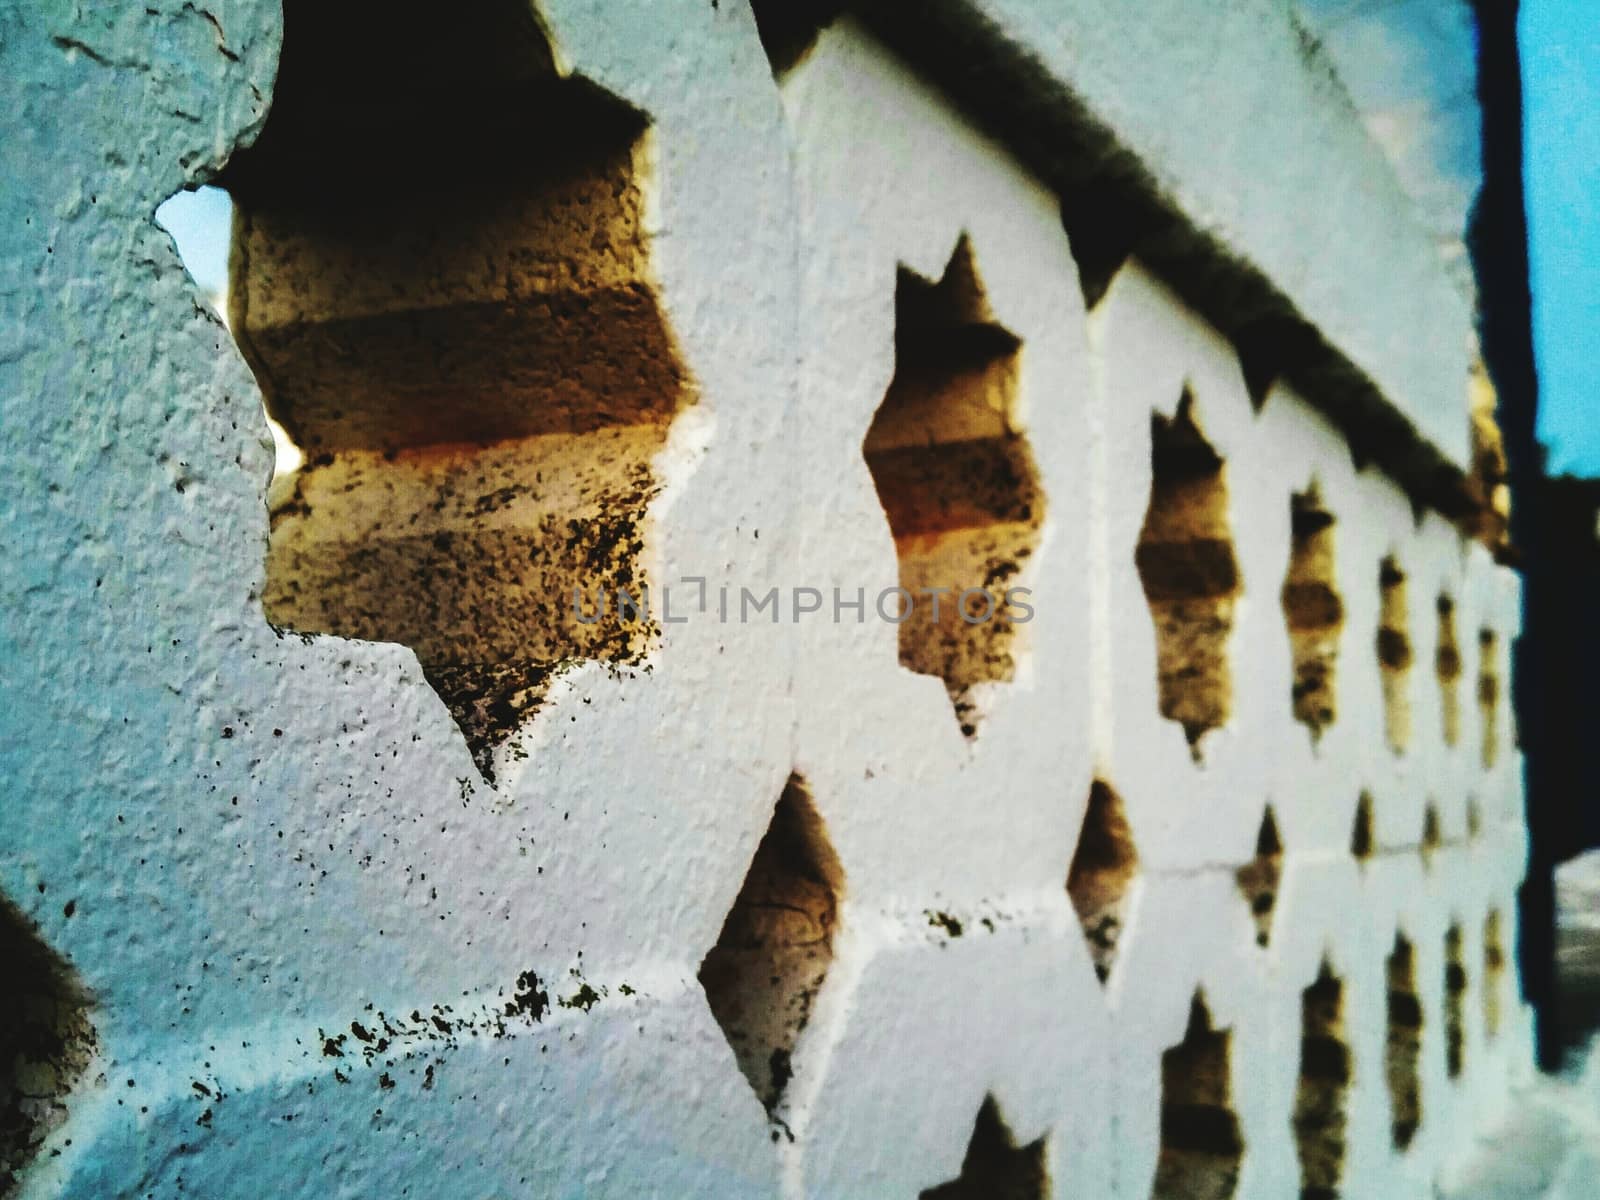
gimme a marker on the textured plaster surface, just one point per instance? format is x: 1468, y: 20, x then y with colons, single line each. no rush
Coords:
x: 1243, y: 93
x: 327, y: 957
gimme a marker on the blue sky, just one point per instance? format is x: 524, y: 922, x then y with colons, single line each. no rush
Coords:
x: 1561, y: 99
x: 200, y: 221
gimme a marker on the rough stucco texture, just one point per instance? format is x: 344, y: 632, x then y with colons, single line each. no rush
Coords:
x: 323, y: 955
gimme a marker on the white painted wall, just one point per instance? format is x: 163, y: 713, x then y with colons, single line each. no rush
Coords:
x: 267, y: 841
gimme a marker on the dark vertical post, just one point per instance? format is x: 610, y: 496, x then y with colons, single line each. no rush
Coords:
x: 1498, y: 239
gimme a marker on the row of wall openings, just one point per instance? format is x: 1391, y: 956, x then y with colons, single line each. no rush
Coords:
x: 762, y: 977
x: 441, y: 277
x: 1430, y: 839
x: 1202, y: 1148
x: 1405, y: 1021
x: 1395, y: 660
x: 1185, y: 554
x: 1325, y: 1062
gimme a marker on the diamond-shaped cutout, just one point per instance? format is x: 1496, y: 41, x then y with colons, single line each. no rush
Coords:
x: 46, y: 1041
x: 1403, y: 1051
x: 1394, y: 654
x: 1103, y: 870
x: 1321, y: 1099
x: 1259, y: 878
x: 1189, y: 573
x: 1201, y: 1146
x: 776, y: 944
x: 1313, y: 609
x: 995, y: 1167
x: 957, y: 482
x: 475, y: 364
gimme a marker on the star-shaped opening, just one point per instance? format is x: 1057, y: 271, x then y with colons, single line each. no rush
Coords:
x: 1313, y: 609
x: 1322, y: 1097
x: 995, y: 1167
x: 1403, y: 1048
x: 441, y: 276
x: 1201, y: 1146
x: 1190, y: 574
x: 957, y: 482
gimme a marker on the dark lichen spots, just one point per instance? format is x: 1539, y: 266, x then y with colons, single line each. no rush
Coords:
x: 957, y: 481
x: 583, y: 999
x: 530, y: 999
x: 950, y: 926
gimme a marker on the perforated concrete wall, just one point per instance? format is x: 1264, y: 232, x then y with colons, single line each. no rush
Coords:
x: 1175, y: 855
